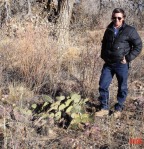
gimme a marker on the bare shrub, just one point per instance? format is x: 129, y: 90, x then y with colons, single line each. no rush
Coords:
x: 32, y: 56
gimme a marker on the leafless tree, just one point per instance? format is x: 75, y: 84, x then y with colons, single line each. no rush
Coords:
x: 29, y: 7
x: 64, y: 22
x: 60, y: 12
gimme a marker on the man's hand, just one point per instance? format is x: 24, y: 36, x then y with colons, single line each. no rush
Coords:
x: 124, y: 61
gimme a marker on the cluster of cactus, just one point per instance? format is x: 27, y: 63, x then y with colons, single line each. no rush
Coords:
x: 73, y: 106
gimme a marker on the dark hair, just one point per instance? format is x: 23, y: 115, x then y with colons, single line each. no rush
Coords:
x: 119, y: 10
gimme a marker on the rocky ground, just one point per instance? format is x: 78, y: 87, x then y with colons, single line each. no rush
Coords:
x: 23, y: 127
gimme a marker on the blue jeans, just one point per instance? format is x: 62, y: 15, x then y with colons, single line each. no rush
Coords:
x: 108, y: 71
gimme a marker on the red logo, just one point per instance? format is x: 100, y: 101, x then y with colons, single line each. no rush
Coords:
x: 136, y: 141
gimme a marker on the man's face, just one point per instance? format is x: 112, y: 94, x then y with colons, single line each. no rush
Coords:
x: 118, y: 19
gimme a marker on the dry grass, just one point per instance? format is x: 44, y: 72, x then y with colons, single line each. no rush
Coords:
x: 141, y: 33
x: 18, y: 92
x: 33, y: 57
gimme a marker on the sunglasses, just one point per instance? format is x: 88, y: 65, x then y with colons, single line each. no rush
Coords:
x: 114, y: 18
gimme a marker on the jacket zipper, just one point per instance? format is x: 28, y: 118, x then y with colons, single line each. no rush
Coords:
x: 114, y: 39
x: 112, y: 35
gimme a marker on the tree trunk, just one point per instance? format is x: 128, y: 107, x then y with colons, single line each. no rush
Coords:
x: 64, y: 22
x: 7, y: 7
x: 29, y: 8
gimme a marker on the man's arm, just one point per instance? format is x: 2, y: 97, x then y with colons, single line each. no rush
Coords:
x: 136, y: 42
x: 103, y: 46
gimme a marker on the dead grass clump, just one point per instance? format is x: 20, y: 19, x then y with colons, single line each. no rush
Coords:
x: 19, y: 92
x: 15, y: 93
x: 141, y: 33
x: 95, y: 36
x: 32, y: 55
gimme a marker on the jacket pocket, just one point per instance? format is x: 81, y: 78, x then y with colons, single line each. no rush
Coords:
x: 117, y: 53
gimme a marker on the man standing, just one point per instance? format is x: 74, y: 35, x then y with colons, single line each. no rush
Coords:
x: 120, y: 45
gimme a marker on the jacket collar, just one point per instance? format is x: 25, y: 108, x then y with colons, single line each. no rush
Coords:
x: 110, y: 26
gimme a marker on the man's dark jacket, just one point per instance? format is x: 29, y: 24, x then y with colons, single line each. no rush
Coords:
x: 127, y: 43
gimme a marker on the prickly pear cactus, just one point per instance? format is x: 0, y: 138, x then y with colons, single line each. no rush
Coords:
x: 73, y: 106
